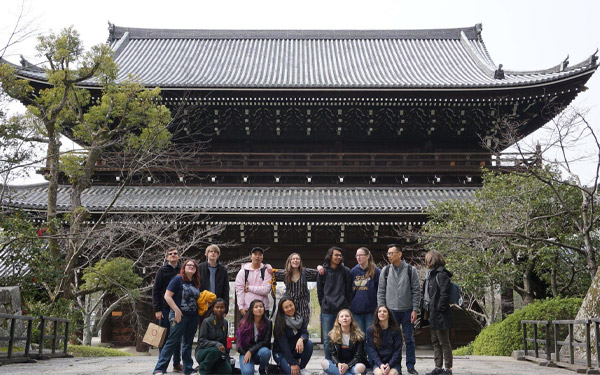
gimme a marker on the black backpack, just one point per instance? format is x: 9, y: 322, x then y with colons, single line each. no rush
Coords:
x: 273, y: 285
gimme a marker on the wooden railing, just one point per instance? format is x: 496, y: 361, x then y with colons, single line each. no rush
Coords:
x: 469, y: 162
x: 553, y: 343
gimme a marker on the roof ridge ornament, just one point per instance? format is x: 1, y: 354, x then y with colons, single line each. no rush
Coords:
x: 594, y: 58
x: 499, y: 73
x: 30, y: 66
x: 478, y: 29
x: 564, y: 64
x: 111, y: 32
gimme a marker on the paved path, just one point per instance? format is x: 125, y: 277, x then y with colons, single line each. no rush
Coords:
x: 467, y: 365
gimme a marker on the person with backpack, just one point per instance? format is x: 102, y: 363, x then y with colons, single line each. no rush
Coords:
x: 436, y: 309
x: 253, y: 282
x: 400, y: 290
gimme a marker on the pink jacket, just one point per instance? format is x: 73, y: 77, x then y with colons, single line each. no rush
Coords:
x: 257, y: 287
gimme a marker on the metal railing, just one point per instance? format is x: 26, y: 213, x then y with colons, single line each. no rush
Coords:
x: 42, y: 352
x: 553, y: 343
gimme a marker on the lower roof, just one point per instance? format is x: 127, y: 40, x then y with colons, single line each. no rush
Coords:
x: 242, y: 200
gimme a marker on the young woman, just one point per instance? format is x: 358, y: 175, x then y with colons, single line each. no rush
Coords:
x: 365, y: 282
x: 384, y: 342
x: 181, y: 295
x: 436, y: 296
x: 211, y: 352
x: 347, y: 347
x: 295, y: 279
x: 292, y: 349
x: 254, y: 339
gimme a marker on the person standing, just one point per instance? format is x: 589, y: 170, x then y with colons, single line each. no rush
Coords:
x: 436, y: 308
x: 161, y: 308
x: 253, y: 282
x: 399, y: 290
x: 295, y: 278
x: 365, y: 283
x: 384, y: 341
x: 181, y: 295
x: 334, y: 289
x: 213, y: 275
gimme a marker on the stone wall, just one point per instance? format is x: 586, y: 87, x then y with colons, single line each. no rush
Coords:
x: 10, y: 303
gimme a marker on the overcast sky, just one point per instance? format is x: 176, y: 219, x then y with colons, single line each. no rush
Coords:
x: 521, y: 35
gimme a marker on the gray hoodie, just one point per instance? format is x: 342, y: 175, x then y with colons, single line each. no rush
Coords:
x: 396, y: 291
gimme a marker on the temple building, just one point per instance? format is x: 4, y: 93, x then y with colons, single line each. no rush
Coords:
x: 313, y: 138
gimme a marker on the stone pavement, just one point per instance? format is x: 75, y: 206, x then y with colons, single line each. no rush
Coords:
x: 467, y: 365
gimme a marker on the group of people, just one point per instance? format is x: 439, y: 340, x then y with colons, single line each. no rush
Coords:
x: 366, y: 313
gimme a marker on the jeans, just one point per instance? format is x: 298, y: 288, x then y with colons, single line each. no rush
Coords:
x: 333, y: 369
x: 327, y: 321
x: 164, y: 322
x: 442, y: 350
x: 261, y: 357
x: 403, y: 318
x: 302, y: 358
x: 364, y: 321
x: 210, y: 362
x: 186, y: 330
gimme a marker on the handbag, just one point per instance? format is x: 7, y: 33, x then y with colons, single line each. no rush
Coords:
x: 155, y: 335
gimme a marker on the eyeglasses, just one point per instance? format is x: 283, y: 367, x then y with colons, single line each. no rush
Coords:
x: 361, y: 255
x: 190, y: 265
x: 173, y: 253
x: 391, y: 253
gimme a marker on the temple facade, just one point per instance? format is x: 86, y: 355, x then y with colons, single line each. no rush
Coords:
x: 318, y: 138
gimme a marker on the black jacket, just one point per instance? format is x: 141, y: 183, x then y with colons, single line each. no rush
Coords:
x: 163, y: 277
x: 440, y: 316
x: 356, y: 348
x: 262, y: 341
x: 221, y: 282
x: 334, y: 289
x: 212, y: 333
x: 286, y: 344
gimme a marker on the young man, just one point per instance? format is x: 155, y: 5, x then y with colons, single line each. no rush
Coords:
x: 253, y: 282
x: 399, y: 290
x: 213, y: 275
x: 334, y: 289
x: 161, y: 308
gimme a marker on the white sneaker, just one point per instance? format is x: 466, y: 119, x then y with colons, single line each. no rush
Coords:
x: 305, y: 372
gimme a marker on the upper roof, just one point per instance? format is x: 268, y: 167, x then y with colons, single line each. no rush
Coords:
x: 213, y: 200
x: 319, y: 59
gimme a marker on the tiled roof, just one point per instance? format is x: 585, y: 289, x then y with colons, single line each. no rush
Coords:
x: 320, y: 59
x: 148, y: 199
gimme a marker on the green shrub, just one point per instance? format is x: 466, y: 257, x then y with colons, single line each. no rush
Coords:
x: 95, y: 351
x: 503, y: 337
x: 464, y: 350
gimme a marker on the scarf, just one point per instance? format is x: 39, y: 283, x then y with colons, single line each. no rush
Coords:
x: 426, y: 298
x: 294, y: 322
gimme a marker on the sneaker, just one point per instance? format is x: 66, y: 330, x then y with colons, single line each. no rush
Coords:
x: 447, y: 372
x: 158, y: 372
x: 178, y: 368
x: 413, y: 371
x: 262, y: 371
x: 304, y: 372
x: 436, y: 371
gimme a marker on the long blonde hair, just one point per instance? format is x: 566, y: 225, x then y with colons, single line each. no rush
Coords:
x: 370, y: 265
x: 288, y: 268
x: 356, y: 334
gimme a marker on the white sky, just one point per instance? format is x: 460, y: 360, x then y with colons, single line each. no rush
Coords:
x: 521, y: 35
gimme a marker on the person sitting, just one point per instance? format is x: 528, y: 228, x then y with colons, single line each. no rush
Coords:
x: 384, y: 342
x: 254, y: 339
x: 292, y: 349
x: 347, y: 347
x: 211, y: 351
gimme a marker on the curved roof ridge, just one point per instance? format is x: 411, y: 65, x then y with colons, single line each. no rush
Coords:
x: 481, y: 63
x: 116, y: 32
x: 590, y: 62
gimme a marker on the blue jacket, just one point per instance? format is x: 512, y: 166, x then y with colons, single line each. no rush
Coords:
x: 364, y: 291
x: 390, y: 351
x: 286, y: 344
